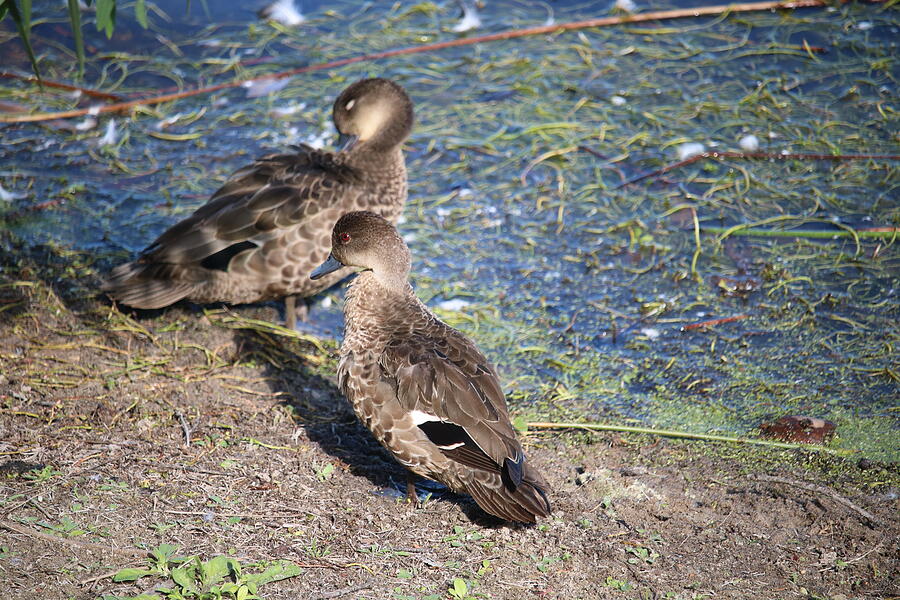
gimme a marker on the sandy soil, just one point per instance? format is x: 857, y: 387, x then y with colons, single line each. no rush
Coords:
x: 218, y: 435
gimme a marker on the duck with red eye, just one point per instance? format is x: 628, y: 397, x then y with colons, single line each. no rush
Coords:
x: 423, y: 388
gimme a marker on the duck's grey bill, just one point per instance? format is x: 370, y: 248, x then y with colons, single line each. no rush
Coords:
x: 346, y: 142
x: 329, y: 266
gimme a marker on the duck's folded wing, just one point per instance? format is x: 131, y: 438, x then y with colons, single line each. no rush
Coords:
x: 274, y: 193
x: 454, y: 397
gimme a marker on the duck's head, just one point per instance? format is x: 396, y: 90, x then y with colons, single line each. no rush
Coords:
x: 375, y: 112
x: 364, y: 239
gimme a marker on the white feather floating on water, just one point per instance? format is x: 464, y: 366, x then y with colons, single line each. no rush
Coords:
x: 265, y: 86
x: 284, y: 12
x: 470, y: 19
x: 749, y: 143
x: 86, y: 125
x: 689, y: 149
x: 7, y: 196
x: 287, y: 111
x: 651, y: 332
x: 455, y: 305
x: 164, y: 123
x: 111, y: 136
x: 626, y: 5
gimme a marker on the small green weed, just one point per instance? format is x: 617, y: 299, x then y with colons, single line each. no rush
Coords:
x: 618, y: 584
x: 316, y: 551
x: 324, y: 472
x: 641, y: 554
x: 66, y: 527
x: 459, y: 590
x: 460, y: 536
x: 543, y: 564
x: 41, y: 475
x: 220, y: 578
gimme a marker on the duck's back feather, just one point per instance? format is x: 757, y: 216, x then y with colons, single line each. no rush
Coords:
x: 272, y: 214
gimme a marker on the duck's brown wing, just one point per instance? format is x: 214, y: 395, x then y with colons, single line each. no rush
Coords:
x: 454, y: 395
x: 274, y: 195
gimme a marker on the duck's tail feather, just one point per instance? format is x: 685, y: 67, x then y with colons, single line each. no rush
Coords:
x: 522, y: 503
x: 146, y: 286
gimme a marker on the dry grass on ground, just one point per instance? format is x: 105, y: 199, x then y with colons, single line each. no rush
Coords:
x: 218, y: 436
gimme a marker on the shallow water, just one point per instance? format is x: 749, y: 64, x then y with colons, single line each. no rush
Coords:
x: 578, y: 288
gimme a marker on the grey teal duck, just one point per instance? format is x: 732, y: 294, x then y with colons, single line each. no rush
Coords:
x: 262, y: 233
x: 423, y: 388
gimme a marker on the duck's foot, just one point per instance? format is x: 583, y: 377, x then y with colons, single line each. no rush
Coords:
x: 411, y: 495
x: 292, y: 312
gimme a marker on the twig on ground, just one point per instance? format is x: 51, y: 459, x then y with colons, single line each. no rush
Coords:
x: 660, y: 15
x: 811, y: 487
x: 99, y: 577
x: 343, y: 591
x: 186, y: 428
x: 259, y: 516
x: 15, y: 527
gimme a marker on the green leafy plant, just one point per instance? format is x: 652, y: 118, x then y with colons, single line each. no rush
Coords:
x: 41, y: 475
x: 618, y: 584
x: 459, y: 590
x: 219, y: 578
x: 66, y: 527
x: 20, y: 12
x: 460, y: 536
x: 647, y: 555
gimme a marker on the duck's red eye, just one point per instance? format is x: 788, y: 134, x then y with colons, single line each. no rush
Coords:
x: 344, y: 237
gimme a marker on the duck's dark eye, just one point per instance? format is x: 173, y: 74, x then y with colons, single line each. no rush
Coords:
x: 344, y: 237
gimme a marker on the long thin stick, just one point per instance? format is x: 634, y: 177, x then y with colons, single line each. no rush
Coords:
x: 684, y: 435
x: 713, y: 322
x: 69, y: 541
x: 62, y: 86
x: 505, y: 35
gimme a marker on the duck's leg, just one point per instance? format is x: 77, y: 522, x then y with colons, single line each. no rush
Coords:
x: 411, y: 493
x: 290, y: 312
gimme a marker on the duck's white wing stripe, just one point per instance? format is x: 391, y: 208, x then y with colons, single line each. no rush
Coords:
x: 419, y: 417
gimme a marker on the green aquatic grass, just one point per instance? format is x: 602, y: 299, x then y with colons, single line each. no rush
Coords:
x: 514, y: 206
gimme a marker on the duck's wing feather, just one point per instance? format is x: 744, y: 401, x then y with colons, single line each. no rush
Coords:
x: 275, y: 192
x: 454, y: 395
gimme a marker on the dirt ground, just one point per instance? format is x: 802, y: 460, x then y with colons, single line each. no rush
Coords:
x: 221, y: 435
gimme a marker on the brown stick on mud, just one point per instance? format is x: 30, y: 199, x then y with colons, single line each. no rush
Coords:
x: 756, y: 156
x: 659, y: 15
x: 15, y: 527
x: 810, y: 487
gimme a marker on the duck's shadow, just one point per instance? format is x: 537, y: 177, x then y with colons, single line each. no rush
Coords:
x: 329, y: 421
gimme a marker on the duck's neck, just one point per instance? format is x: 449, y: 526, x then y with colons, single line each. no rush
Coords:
x: 374, y: 310
x: 364, y: 155
x: 385, y: 172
